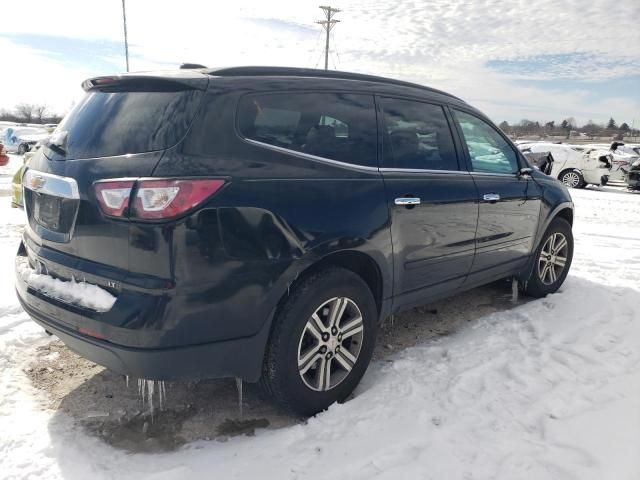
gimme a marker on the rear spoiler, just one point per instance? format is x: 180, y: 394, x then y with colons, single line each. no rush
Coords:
x: 145, y: 82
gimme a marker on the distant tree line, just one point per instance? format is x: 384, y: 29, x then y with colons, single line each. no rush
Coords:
x: 30, y: 113
x: 567, y: 127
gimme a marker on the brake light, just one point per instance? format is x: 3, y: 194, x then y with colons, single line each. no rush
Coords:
x: 161, y: 199
x: 154, y: 199
x: 113, y: 196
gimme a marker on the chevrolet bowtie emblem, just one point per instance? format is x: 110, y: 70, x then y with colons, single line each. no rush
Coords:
x: 36, y: 182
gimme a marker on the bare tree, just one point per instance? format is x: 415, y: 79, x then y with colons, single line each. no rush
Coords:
x: 39, y: 112
x: 25, y: 111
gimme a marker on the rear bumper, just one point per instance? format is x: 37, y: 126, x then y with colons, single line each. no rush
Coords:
x: 232, y: 358
x: 144, y: 351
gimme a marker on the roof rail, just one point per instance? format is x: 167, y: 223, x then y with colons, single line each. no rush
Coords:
x: 188, y: 66
x: 257, y: 71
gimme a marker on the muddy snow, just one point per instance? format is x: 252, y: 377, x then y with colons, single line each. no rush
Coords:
x: 472, y: 387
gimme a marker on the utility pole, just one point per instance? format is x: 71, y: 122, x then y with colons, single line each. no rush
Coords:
x: 328, y: 25
x: 126, y: 42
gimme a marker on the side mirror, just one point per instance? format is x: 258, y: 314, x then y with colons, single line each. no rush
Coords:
x: 525, y: 172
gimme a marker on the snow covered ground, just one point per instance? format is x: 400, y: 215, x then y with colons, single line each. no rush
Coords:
x: 549, y: 389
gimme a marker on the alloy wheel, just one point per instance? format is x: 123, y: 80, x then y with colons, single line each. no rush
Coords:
x: 571, y: 179
x: 553, y: 258
x: 330, y: 344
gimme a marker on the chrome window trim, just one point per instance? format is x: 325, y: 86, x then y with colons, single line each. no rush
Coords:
x: 424, y: 170
x: 491, y: 174
x: 54, y: 185
x: 308, y: 156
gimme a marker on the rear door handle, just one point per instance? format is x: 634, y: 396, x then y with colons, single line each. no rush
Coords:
x: 491, y: 197
x: 407, y: 201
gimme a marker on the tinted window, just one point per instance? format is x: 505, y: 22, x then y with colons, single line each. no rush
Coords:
x: 488, y: 150
x: 107, y: 123
x: 418, y: 136
x: 330, y: 125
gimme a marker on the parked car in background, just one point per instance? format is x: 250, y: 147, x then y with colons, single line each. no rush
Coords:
x: 633, y: 176
x: 20, y: 139
x: 4, y: 158
x: 260, y: 222
x: 575, y: 166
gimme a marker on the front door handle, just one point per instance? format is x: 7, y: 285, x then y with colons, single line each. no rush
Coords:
x: 407, y: 201
x: 491, y: 197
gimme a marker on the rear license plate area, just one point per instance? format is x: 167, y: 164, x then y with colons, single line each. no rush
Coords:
x: 47, y: 211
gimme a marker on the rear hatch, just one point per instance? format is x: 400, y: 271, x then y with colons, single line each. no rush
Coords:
x: 120, y: 129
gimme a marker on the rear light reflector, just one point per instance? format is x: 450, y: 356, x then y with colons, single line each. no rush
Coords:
x: 161, y: 199
x: 113, y: 196
x: 91, y: 333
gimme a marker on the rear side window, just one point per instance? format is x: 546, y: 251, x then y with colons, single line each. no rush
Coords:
x: 336, y: 126
x: 108, y: 123
x: 417, y: 136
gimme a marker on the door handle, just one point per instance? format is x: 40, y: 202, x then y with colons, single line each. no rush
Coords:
x: 491, y: 197
x: 407, y: 201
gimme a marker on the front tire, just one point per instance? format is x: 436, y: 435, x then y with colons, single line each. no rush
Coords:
x: 552, y: 259
x: 321, y: 342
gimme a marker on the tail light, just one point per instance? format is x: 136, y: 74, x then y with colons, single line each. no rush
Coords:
x: 113, y: 196
x: 154, y: 199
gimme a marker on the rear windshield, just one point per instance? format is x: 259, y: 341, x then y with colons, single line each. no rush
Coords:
x: 108, y: 123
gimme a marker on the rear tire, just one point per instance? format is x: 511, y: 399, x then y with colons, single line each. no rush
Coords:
x: 303, y: 343
x: 22, y: 149
x: 552, y: 259
x: 572, y: 179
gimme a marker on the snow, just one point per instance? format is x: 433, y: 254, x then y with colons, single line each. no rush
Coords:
x: 549, y: 389
x: 78, y: 293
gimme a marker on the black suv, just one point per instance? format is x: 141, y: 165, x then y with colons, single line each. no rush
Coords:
x: 260, y: 222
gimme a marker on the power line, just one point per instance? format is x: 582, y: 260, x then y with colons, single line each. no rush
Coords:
x: 315, y: 49
x: 328, y: 25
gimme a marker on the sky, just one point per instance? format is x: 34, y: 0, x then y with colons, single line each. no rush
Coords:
x: 514, y: 59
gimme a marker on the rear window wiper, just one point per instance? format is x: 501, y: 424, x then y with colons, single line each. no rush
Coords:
x: 57, y: 142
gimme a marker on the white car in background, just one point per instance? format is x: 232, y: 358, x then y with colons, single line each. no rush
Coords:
x: 20, y: 139
x: 624, y: 155
x: 575, y: 166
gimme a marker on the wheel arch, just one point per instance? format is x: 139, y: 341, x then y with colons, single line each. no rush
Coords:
x: 566, y: 213
x: 563, y: 210
x: 357, y: 262
x: 361, y: 263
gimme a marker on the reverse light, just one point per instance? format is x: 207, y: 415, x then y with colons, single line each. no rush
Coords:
x: 161, y: 199
x: 113, y: 196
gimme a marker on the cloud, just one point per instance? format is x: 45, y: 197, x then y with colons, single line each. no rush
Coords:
x: 480, y: 50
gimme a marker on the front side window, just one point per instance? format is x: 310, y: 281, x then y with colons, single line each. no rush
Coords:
x: 417, y: 136
x: 336, y: 126
x: 489, y: 151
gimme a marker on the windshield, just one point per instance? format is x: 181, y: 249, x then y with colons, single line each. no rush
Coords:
x: 109, y: 123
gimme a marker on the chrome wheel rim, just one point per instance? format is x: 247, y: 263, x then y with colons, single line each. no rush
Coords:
x: 330, y: 344
x: 553, y: 258
x: 571, y: 179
